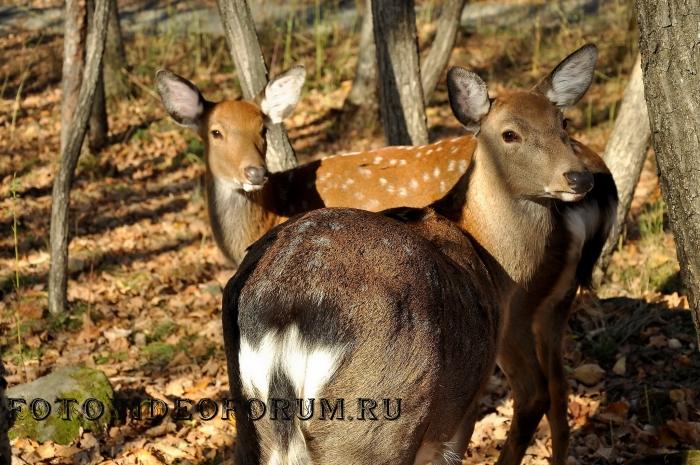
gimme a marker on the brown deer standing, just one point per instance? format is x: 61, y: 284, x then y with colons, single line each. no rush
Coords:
x: 343, y: 303
x: 244, y: 201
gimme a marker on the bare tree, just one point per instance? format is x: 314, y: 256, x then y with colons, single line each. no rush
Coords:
x: 668, y: 38
x: 242, y: 39
x: 70, y: 150
x: 625, y: 153
x: 114, y: 61
x: 441, y: 48
x: 364, y: 87
x: 73, y: 61
x: 400, y: 92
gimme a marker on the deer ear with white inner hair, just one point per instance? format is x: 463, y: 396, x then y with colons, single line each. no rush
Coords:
x: 571, y: 78
x: 469, y: 98
x: 182, y: 100
x: 282, y: 94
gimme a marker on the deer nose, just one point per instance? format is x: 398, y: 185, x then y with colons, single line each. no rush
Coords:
x: 255, y: 174
x: 579, y: 181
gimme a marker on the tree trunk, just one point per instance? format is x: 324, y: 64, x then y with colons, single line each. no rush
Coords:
x: 625, y: 153
x: 73, y: 61
x: 668, y: 32
x: 364, y: 86
x: 400, y: 92
x: 116, y: 82
x: 242, y: 39
x: 58, y: 271
x: 98, y: 125
x: 441, y: 48
x: 5, y: 451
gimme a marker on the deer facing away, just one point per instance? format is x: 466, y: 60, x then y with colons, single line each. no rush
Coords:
x: 413, y: 303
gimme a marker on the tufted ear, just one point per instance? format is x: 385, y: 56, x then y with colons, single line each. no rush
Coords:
x: 469, y: 98
x: 182, y: 100
x: 282, y: 94
x: 571, y: 78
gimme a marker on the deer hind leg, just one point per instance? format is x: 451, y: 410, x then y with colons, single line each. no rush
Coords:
x: 518, y: 360
x: 549, y: 332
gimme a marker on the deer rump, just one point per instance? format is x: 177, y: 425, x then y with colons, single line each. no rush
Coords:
x: 343, y: 303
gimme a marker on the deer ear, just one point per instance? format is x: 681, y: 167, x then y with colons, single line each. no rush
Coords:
x: 571, y: 78
x: 282, y: 94
x: 182, y: 100
x: 469, y: 98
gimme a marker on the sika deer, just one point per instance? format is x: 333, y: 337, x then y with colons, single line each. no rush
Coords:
x: 244, y: 201
x: 341, y: 303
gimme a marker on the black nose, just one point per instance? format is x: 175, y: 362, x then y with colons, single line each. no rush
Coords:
x: 255, y: 174
x: 580, y: 181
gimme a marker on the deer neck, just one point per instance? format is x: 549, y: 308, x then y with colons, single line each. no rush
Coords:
x: 237, y: 218
x: 513, y: 230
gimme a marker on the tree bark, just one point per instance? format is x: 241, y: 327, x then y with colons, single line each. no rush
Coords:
x: 625, y: 153
x: 441, y: 48
x: 364, y: 86
x: 99, y: 127
x: 114, y: 62
x: 400, y: 92
x: 73, y: 61
x: 242, y: 40
x: 668, y: 43
x: 58, y: 270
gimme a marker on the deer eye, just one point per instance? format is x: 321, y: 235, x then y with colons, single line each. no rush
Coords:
x: 510, y: 136
x: 565, y: 123
x: 216, y: 134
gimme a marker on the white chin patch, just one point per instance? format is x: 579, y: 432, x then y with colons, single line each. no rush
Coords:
x: 251, y: 187
x: 569, y: 196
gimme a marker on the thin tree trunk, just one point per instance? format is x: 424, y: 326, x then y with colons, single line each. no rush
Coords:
x: 625, y: 153
x: 73, y: 61
x: 364, y: 86
x: 242, y: 39
x: 114, y: 63
x: 668, y: 35
x: 98, y: 125
x: 58, y: 271
x: 400, y: 92
x: 441, y: 48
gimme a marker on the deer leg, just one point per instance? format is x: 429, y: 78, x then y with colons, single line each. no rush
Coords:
x: 518, y: 360
x: 549, y: 333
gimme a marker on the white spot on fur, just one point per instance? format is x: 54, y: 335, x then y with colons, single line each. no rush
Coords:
x: 359, y: 196
x: 426, y: 177
x: 436, y: 172
x: 443, y: 186
x: 462, y: 166
x: 377, y: 160
x: 308, y: 367
x: 430, y: 151
x: 403, y: 192
x: 365, y: 172
x: 451, y: 165
x: 402, y: 162
x: 393, y: 162
x: 413, y: 184
x: 383, y: 181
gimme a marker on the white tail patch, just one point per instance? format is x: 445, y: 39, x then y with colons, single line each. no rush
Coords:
x: 308, y: 367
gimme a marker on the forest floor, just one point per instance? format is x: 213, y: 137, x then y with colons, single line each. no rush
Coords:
x: 146, y: 276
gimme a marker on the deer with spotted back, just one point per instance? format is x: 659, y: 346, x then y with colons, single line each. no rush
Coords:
x: 415, y: 303
x: 244, y: 200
